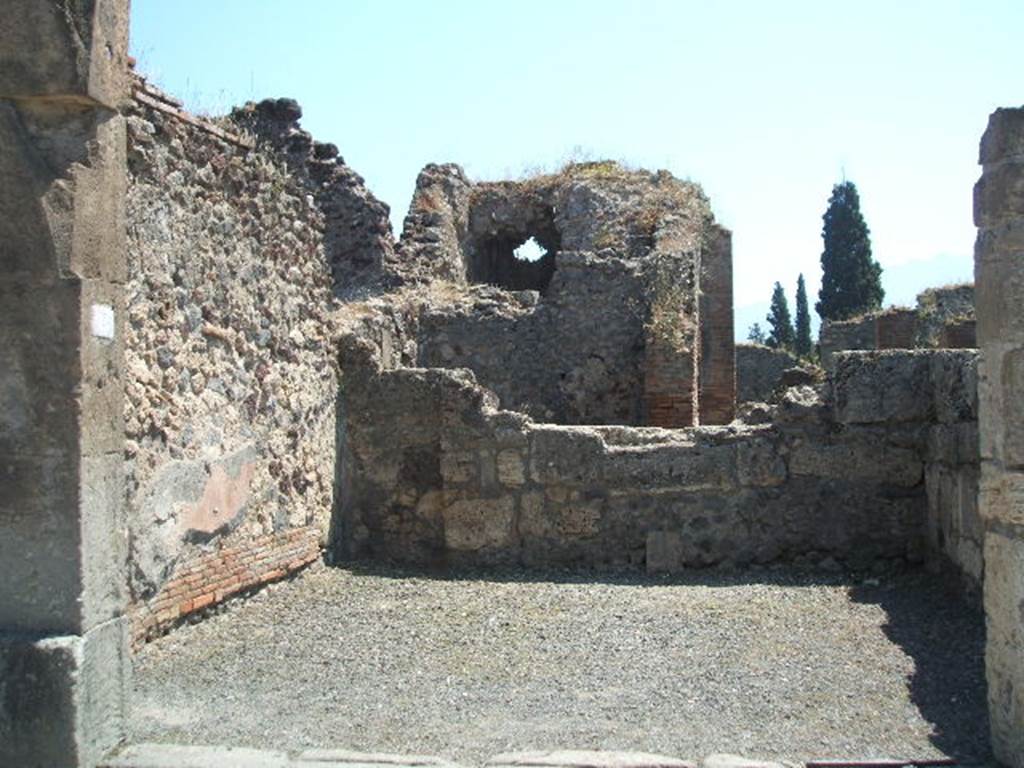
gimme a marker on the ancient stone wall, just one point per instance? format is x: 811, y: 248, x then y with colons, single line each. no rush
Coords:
x: 943, y: 318
x: 759, y: 371
x: 240, y: 235
x: 939, y: 308
x: 952, y: 468
x: 845, y: 335
x: 896, y: 328
x: 437, y: 474
x: 604, y: 327
x: 999, y: 280
x: 574, y: 357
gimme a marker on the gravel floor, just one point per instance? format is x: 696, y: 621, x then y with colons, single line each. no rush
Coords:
x: 782, y: 665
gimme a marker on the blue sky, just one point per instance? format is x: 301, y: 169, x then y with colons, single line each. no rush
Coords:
x: 765, y: 104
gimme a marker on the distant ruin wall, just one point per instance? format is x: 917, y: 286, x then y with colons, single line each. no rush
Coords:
x: 436, y: 475
x: 231, y: 382
x: 759, y: 371
x: 846, y: 335
x: 604, y: 327
x: 572, y: 357
x: 943, y: 319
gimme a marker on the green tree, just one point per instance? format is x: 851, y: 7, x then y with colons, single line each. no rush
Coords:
x: 851, y: 281
x: 781, y: 335
x: 803, y: 344
x: 756, y: 334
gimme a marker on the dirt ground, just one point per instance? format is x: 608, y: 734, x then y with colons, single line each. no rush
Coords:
x: 784, y: 665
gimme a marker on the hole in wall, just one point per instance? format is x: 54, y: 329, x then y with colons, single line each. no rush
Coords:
x: 517, y: 258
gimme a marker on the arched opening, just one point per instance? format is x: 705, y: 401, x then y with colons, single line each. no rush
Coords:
x: 517, y: 260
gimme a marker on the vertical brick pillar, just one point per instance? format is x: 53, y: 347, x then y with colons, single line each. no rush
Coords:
x: 63, y: 560
x: 717, y: 332
x: 670, y: 394
x: 672, y: 343
x: 999, y: 282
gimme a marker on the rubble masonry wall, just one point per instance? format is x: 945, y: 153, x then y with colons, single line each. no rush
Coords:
x: 234, y: 259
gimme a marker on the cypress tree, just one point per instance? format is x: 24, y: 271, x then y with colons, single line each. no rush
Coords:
x: 781, y: 335
x: 851, y: 281
x: 803, y: 344
x: 755, y: 334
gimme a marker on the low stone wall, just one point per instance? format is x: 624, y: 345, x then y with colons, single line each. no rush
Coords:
x: 937, y: 389
x: 759, y: 371
x: 954, y: 457
x: 434, y: 474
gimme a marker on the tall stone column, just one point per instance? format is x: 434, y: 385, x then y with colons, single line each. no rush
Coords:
x: 999, y: 285
x: 63, y: 651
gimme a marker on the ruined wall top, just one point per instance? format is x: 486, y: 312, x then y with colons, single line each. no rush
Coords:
x: 460, y: 230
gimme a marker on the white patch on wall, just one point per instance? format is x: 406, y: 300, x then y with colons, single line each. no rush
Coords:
x: 102, y: 321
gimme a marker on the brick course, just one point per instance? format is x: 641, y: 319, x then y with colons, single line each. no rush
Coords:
x: 214, y: 577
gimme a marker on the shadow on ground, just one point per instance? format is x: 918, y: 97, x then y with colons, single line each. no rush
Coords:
x: 943, y: 631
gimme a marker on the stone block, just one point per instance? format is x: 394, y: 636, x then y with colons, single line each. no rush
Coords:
x: 999, y: 289
x: 759, y: 463
x: 967, y: 440
x: 676, y: 465
x: 1004, y: 136
x: 1004, y: 596
x: 954, y: 379
x: 999, y: 194
x: 39, y: 368
x: 664, y: 552
x: 1001, y: 419
x: 585, y: 759
x: 103, y: 591
x: 181, y: 756
x: 876, y: 387
x: 735, y: 761
x: 576, y: 518
x: 472, y: 524
x: 1001, y: 495
x: 567, y: 455
x: 942, y: 439
x: 71, y: 48
x: 40, y: 555
x: 63, y: 552
x: 326, y: 758
x: 458, y: 467
x: 99, y: 239
x: 64, y: 702
x: 511, y: 468
x: 857, y: 458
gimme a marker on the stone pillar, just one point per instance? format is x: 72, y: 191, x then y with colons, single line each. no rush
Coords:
x: 63, y: 559
x: 717, y: 331
x: 999, y: 285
